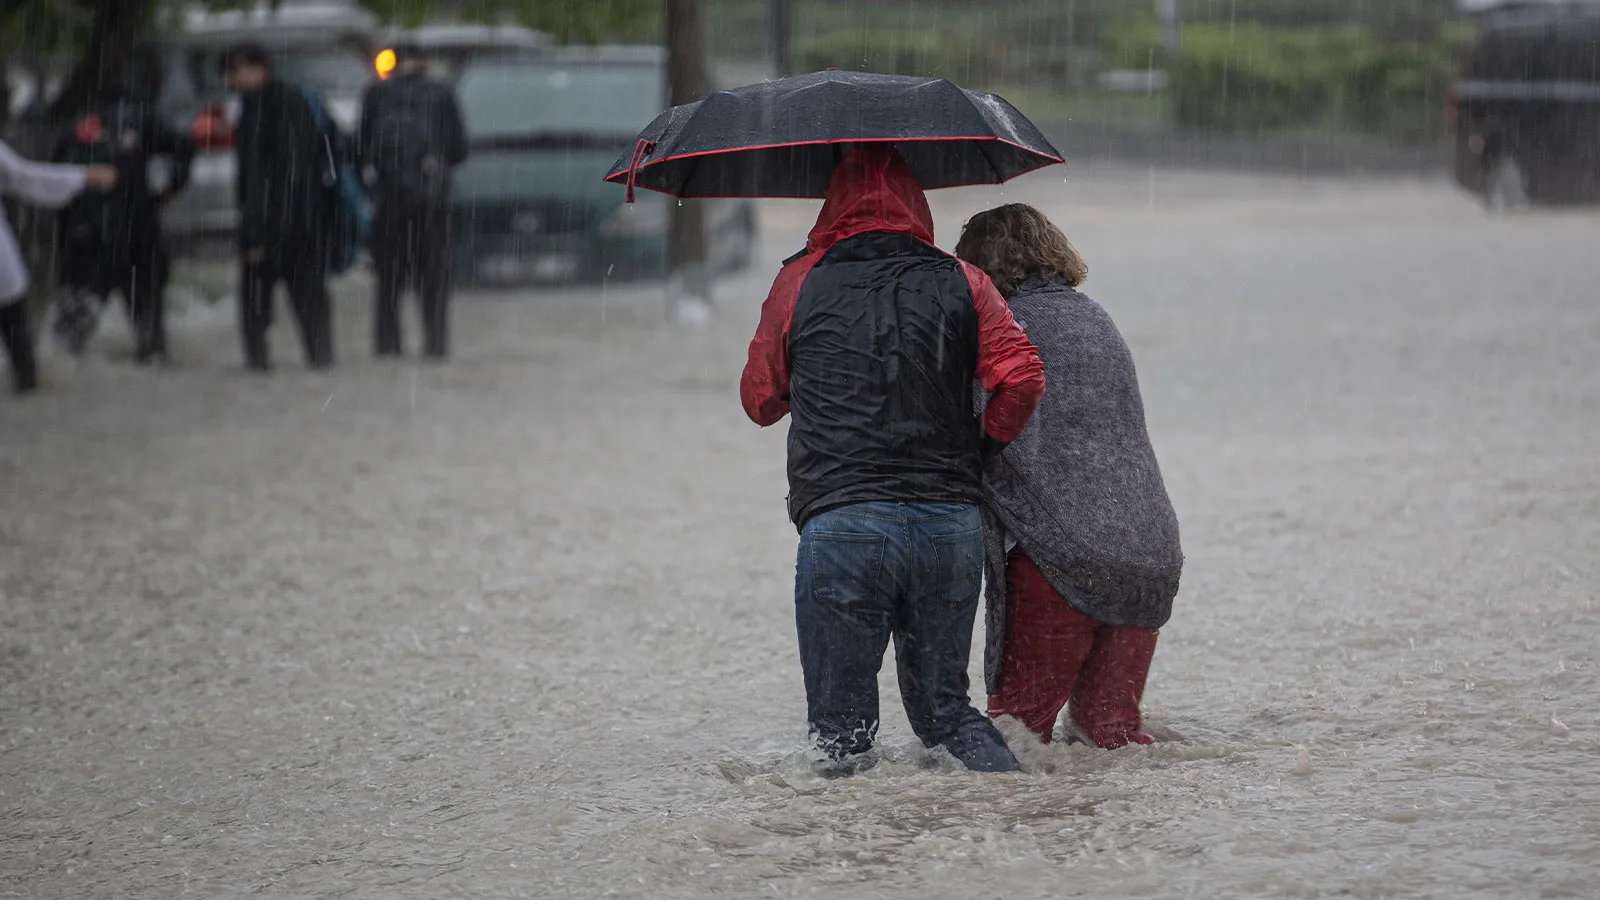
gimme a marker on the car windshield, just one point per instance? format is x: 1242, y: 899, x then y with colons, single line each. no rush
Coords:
x: 340, y: 71
x: 548, y: 98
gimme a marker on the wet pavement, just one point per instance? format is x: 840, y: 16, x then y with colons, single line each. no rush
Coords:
x: 521, y: 625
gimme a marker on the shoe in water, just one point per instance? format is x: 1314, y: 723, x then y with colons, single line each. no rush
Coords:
x: 844, y: 767
x: 1110, y: 741
x: 982, y: 749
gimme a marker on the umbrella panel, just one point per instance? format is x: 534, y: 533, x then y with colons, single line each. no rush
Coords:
x: 772, y: 139
x: 804, y: 170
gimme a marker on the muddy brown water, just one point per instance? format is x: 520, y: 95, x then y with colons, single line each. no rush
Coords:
x: 521, y: 626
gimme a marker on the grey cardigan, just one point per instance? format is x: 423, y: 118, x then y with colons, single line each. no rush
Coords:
x: 1080, y: 489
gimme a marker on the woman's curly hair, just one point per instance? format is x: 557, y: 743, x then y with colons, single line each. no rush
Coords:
x: 1011, y: 242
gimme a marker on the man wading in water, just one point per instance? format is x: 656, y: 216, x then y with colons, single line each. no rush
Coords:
x: 870, y: 341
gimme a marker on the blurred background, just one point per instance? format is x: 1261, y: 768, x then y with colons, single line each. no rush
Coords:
x: 1282, y: 85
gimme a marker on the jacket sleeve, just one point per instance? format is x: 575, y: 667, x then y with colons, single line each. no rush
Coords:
x: 764, y: 387
x: 41, y: 184
x: 1008, y: 363
x: 176, y: 146
x: 366, y: 128
x: 258, y: 160
x: 453, y: 132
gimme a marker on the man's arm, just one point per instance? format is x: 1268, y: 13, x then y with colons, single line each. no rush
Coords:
x: 176, y: 146
x: 366, y: 128
x: 764, y: 386
x: 41, y: 184
x: 1008, y: 363
x: 256, y: 162
x: 454, y: 134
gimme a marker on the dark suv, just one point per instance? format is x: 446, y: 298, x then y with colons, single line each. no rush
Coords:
x: 1527, y: 110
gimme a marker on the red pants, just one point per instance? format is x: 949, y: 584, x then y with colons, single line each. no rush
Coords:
x: 1053, y: 654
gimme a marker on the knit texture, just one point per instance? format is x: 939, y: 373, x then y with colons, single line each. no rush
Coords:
x: 1080, y: 489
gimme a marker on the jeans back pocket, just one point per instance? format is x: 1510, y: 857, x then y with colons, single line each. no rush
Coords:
x: 845, y: 566
x: 958, y: 566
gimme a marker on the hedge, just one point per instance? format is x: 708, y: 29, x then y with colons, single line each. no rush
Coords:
x: 1241, y: 78
x: 962, y: 58
x: 1339, y: 79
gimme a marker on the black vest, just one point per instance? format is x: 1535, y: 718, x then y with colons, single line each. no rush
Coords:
x: 883, y: 349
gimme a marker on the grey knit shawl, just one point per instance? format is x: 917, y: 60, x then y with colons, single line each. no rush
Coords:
x: 1080, y: 489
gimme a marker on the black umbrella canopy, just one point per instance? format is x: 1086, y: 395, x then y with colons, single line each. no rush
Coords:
x: 777, y: 138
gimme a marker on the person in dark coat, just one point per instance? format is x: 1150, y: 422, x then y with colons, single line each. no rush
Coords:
x: 285, y: 207
x: 870, y: 341
x: 410, y: 138
x: 113, y: 242
x: 1082, y: 543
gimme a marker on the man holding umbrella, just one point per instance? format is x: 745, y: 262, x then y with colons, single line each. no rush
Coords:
x: 870, y: 341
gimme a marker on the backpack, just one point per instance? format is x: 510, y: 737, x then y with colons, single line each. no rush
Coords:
x: 352, y: 209
x: 405, y: 153
x: 102, y: 224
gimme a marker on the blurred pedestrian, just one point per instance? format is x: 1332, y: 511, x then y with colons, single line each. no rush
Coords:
x: 1081, y: 539
x: 42, y: 185
x: 871, y: 340
x: 285, y: 171
x: 410, y: 138
x: 113, y: 241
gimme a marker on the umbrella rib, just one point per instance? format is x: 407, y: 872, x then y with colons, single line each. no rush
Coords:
x: 983, y: 148
x: 694, y: 167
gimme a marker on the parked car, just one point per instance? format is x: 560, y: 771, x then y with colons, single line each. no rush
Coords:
x: 325, y: 46
x: 1527, y: 108
x: 530, y: 203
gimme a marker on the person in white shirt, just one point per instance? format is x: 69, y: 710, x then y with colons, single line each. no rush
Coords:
x: 45, y: 185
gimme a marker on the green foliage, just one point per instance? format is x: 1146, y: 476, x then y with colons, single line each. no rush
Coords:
x: 1251, y: 77
x: 908, y: 52
x: 41, y: 28
x: 586, y: 21
x: 1132, y: 44
x: 56, y: 28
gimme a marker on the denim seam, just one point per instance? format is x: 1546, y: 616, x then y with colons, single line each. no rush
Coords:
x: 848, y: 513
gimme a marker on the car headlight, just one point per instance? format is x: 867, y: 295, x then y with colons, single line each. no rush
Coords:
x: 647, y: 215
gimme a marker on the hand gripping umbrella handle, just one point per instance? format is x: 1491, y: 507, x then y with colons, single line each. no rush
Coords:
x: 641, y: 149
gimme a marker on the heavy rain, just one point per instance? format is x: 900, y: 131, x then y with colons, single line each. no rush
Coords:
x: 381, y: 513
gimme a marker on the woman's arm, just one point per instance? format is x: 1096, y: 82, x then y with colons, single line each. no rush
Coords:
x: 41, y: 184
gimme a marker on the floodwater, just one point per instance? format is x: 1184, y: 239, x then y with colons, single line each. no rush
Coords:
x: 521, y: 626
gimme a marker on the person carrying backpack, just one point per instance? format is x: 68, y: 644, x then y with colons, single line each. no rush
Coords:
x: 410, y: 138
x: 286, y: 207
x: 112, y: 241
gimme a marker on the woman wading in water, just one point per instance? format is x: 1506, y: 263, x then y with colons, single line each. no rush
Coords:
x: 1082, y: 550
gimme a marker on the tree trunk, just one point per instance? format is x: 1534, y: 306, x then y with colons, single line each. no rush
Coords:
x: 686, y: 83
x: 780, y: 33
x: 106, y: 58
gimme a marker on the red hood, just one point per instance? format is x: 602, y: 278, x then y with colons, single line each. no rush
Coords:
x: 872, y: 190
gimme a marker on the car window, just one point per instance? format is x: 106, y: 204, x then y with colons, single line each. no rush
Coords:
x: 1511, y: 54
x: 585, y: 98
x: 328, y: 69
x: 332, y: 70
x: 1575, y: 54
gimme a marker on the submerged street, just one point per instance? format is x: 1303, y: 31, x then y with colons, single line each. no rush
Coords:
x: 521, y: 625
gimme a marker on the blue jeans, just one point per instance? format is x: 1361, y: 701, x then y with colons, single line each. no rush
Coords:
x: 912, y: 571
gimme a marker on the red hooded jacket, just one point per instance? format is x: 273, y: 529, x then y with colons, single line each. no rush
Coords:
x: 872, y: 338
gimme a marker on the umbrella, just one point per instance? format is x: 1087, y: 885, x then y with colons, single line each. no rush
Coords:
x: 775, y: 139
